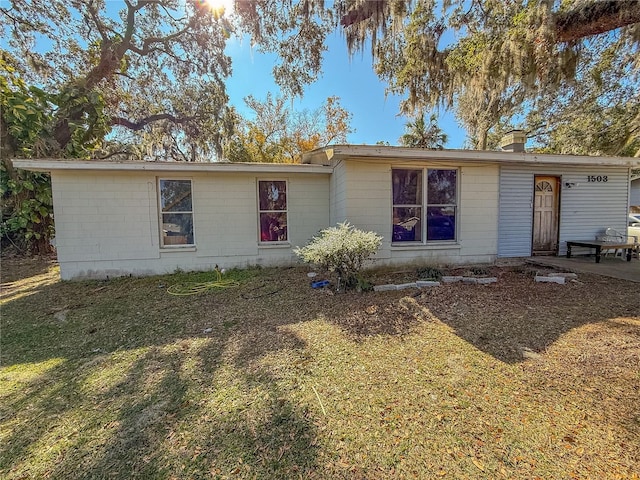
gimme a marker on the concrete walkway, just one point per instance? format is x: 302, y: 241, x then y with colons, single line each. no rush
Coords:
x: 608, y: 266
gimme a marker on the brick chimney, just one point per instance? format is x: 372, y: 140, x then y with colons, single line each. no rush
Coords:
x: 513, y: 141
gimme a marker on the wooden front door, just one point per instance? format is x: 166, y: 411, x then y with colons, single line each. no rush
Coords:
x: 545, y: 215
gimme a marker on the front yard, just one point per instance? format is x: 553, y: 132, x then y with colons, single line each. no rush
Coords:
x: 274, y: 379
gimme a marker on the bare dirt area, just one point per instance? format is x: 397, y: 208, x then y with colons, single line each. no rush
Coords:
x: 16, y: 267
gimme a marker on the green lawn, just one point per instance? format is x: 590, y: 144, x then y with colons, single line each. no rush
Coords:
x: 273, y: 379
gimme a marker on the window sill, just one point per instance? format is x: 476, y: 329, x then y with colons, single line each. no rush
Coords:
x: 274, y: 245
x: 425, y: 246
x: 178, y: 248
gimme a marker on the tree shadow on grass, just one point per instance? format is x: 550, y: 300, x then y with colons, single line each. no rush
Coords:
x: 155, y: 421
x: 142, y: 385
x: 516, y: 318
x: 19, y: 268
x: 152, y: 385
x: 136, y: 383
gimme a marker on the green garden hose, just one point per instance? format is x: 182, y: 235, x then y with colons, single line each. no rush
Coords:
x: 193, y: 288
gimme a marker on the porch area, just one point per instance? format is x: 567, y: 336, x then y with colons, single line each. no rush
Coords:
x: 609, y: 265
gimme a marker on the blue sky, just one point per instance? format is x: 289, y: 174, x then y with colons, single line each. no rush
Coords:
x: 374, y: 116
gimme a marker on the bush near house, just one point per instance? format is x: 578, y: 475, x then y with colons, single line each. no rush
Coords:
x: 343, y: 249
x: 27, y: 118
x: 27, y: 211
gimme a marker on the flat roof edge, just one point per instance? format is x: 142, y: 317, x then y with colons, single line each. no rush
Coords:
x: 384, y: 152
x: 49, y: 165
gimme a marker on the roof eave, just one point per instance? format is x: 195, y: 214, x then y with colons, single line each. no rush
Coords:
x: 380, y: 152
x: 50, y: 165
x: 484, y: 156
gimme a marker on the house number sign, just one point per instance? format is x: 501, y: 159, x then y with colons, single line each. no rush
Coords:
x: 597, y: 178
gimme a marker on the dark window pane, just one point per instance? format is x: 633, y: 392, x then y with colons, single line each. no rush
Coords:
x: 273, y: 227
x: 177, y: 228
x: 407, y: 226
x: 441, y: 187
x: 273, y: 195
x: 175, y: 195
x: 407, y: 187
x: 441, y: 223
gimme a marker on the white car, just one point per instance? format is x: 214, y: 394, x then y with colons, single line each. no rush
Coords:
x: 633, y: 229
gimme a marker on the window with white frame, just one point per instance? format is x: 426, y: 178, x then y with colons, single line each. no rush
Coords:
x: 424, y: 214
x: 272, y: 211
x: 176, y: 210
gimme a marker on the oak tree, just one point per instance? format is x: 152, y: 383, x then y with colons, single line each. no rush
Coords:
x: 487, y: 59
x: 155, y: 66
x: 599, y: 114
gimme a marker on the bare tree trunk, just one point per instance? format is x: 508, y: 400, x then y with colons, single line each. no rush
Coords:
x: 481, y: 135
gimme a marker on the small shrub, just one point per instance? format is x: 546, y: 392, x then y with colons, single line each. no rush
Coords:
x: 479, y: 271
x: 363, y: 285
x: 342, y: 249
x: 429, y: 273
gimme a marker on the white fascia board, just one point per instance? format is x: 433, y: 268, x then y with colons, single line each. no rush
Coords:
x: 387, y: 153
x: 49, y: 165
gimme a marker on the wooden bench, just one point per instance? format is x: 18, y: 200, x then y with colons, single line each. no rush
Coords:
x: 600, y: 245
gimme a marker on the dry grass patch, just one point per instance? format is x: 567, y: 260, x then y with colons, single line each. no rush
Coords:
x: 273, y: 379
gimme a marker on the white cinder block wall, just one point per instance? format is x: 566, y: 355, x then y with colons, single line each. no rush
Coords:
x: 338, y: 193
x: 104, y: 222
x: 107, y: 216
x: 366, y: 196
x: 108, y: 223
x: 478, y: 214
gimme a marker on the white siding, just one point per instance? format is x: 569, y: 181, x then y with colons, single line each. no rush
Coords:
x: 516, y: 213
x: 586, y: 208
x: 107, y: 223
